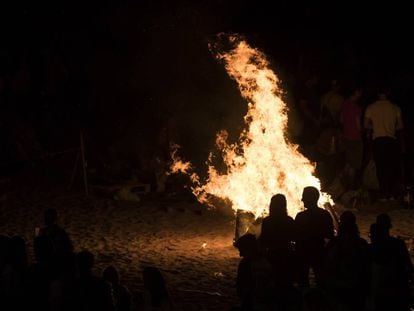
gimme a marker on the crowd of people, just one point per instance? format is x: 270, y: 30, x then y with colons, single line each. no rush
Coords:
x: 60, y: 279
x: 294, y: 264
x: 274, y: 273
x: 347, y: 272
x: 343, y: 131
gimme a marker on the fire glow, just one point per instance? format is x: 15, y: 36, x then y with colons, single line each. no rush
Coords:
x: 263, y: 162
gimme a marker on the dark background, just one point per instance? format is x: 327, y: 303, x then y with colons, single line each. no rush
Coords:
x: 133, y: 75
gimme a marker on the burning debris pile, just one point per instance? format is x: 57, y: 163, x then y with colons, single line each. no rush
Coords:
x: 262, y: 162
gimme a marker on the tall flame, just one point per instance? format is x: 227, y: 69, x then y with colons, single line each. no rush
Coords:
x: 263, y: 162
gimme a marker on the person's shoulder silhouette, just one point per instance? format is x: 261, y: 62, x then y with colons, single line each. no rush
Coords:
x: 157, y: 296
x: 92, y: 292
x: 313, y: 221
x: 277, y: 228
x: 121, y: 293
x: 58, y: 237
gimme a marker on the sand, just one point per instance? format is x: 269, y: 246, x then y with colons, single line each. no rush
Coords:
x: 194, y: 250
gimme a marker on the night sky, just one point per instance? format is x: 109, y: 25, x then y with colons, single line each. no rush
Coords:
x: 123, y: 70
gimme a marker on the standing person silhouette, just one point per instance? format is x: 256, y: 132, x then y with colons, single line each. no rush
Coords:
x: 276, y: 240
x: 313, y: 226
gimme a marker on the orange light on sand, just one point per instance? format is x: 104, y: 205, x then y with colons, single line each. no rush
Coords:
x: 263, y: 162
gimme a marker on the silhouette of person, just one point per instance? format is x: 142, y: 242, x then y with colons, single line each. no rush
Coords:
x: 384, y: 119
x: 122, y: 295
x: 347, y: 265
x: 313, y: 226
x: 39, y: 274
x: 331, y: 104
x: 351, y: 126
x: 315, y: 299
x: 13, y: 274
x: 309, y: 107
x: 61, y: 288
x: 91, y: 292
x: 254, y: 275
x: 391, y: 269
x: 157, y: 296
x: 57, y: 236
x: 276, y: 240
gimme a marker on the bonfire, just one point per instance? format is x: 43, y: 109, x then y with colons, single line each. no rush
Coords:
x: 262, y: 162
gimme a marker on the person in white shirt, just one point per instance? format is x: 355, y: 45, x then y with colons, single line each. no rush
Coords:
x: 384, y: 121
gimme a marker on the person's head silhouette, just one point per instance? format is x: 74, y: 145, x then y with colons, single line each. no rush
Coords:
x: 51, y: 217
x: 111, y: 275
x: 310, y: 197
x: 347, y: 217
x: 85, y: 263
x: 347, y: 224
x: 278, y: 206
x: 155, y: 284
x: 376, y: 233
x: 384, y: 220
x: 247, y: 245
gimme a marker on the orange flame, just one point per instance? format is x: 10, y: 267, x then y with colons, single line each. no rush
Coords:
x: 263, y: 162
x: 179, y: 166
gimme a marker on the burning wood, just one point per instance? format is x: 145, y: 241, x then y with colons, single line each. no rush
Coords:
x: 263, y: 162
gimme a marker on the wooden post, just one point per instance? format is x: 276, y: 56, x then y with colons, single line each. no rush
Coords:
x: 84, y: 164
x: 75, y: 168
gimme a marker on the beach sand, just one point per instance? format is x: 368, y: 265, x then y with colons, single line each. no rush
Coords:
x: 191, y: 245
